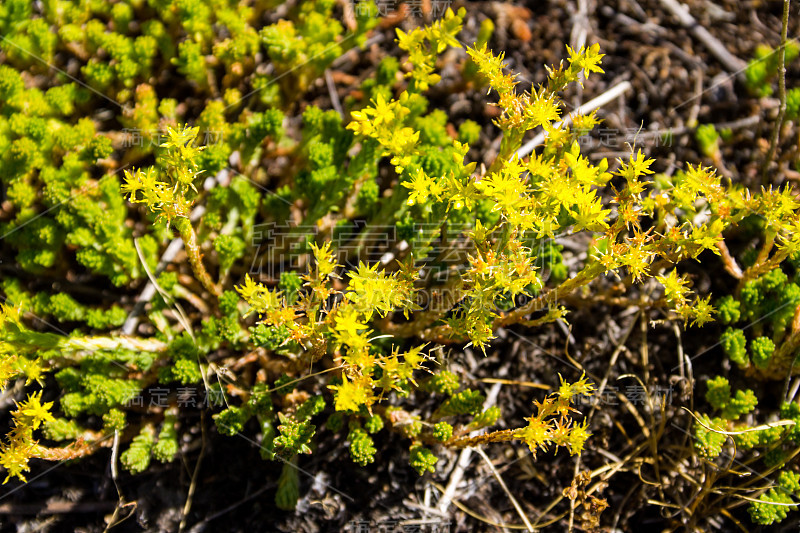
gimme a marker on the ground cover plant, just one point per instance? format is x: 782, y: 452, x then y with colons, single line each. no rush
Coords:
x: 204, y: 245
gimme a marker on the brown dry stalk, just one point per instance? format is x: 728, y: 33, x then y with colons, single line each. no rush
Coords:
x: 761, y: 268
x: 727, y: 259
x: 82, y: 447
x: 504, y: 435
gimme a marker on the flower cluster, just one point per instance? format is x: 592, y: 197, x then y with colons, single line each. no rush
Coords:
x: 250, y: 324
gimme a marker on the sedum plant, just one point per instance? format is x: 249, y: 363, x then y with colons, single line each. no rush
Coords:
x: 469, y: 248
x: 761, y: 337
x: 762, y: 70
x: 769, y: 347
x: 773, y: 442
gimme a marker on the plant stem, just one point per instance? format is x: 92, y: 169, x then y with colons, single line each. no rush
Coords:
x: 508, y: 146
x: 503, y: 435
x: 773, y: 141
x: 79, y: 448
x: 550, y: 297
x: 189, y: 237
x: 89, y: 343
x: 761, y: 268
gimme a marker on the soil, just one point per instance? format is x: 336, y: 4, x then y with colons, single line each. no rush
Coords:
x: 676, y: 84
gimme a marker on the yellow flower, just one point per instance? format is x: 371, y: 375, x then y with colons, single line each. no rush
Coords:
x: 34, y: 411
x: 536, y: 435
x: 351, y: 395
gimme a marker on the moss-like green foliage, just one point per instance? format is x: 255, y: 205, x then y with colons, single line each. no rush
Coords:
x: 114, y: 420
x: 766, y: 305
x: 137, y: 457
x: 373, y: 424
x: 166, y: 447
x: 734, y: 344
x: 442, y: 431
x: 765, y: 511
x: 728, y: 310
x: 294, y: 436
x: 771, y: 507
x: 443, y: 382
x: 422, y: 459
x: 60, y: 429
x: 362, y: 447
x: 711, y: 434
x: 789, y: 481
x: 719, y: 392
x: 97, y: 393
x: 487, y: 418
x: 229, y: 303
x: 185, y: 367
x: 763, y: 68
x: 268, y: 337
x: 708, y: 140
x: 791, y: 411
x: 229, y: 249
x: 311, y: 407
x: 731, y: 407
x: 62, y: 307
x: 762, y: 349
x: 793, y: 104
x: 469, y: 132
x: 466, y: 402
x: 709, y: 439
x: 232, y: 420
